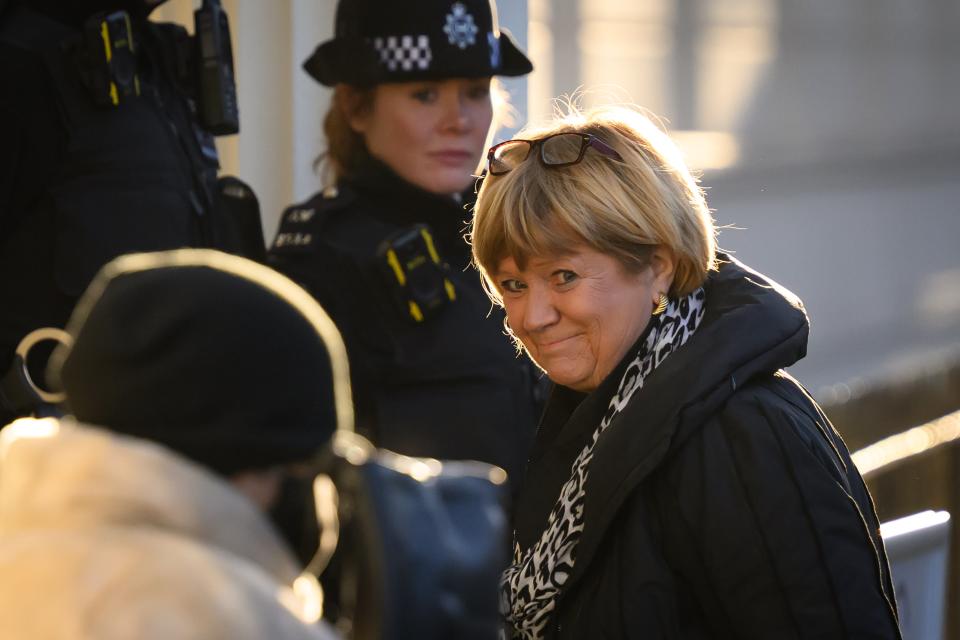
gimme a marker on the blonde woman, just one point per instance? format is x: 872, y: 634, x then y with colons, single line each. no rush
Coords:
x: 681, y: 484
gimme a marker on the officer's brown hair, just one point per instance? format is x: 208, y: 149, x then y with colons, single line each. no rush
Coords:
x: 346, y: 150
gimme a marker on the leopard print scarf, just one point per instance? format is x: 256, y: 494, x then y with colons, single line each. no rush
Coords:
x: 529, y: 587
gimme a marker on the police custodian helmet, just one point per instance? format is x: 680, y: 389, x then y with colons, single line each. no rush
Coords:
x: 379, y: 41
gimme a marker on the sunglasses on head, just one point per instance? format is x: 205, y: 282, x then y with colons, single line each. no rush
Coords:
x: 555, y: 151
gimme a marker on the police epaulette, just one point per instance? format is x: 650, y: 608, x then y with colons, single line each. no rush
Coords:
x: 300, y: 225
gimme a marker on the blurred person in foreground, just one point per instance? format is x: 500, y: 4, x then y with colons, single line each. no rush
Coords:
x: 382, y: 247
x: 170, y: 504
x: 682, y: 485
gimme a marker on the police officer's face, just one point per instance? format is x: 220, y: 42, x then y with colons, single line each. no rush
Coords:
x: 431, y: 133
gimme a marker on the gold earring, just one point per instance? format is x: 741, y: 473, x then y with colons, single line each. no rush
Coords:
x: 661, y: 305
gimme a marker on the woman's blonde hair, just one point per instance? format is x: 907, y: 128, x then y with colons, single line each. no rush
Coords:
x: 620, y: 208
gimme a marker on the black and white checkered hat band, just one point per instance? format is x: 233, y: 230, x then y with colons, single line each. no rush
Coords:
x: 404, y: 53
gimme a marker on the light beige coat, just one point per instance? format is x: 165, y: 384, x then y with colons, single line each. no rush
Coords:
x: 106, y: 537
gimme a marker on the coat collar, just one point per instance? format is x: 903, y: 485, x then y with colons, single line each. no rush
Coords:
x: 398, y: 202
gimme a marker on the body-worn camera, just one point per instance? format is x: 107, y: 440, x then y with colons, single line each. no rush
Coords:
x: 111, y: 58
x: 107, y: 59
x: 418, y: 277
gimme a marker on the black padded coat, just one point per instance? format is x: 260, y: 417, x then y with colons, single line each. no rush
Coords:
x: 720, y: 503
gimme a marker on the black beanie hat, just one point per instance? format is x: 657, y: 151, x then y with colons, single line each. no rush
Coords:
x: 379, y: 41
x: 215, y: 356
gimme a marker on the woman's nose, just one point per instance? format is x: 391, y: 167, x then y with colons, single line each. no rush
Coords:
x: 456, y: 115
x: 540, y: 311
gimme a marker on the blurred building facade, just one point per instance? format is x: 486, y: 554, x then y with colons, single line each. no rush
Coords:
x: 828, y: 134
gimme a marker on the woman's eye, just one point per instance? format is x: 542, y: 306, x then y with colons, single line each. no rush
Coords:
x: 425, y: 95
x: 566, y: 277
x: 511, y: 285
x: 479, y: 92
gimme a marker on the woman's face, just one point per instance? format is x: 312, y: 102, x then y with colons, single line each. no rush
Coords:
x: 578, y: 314
x: 431, y: 133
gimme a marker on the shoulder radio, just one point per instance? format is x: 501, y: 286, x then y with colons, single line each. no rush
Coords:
x: 216, y: 84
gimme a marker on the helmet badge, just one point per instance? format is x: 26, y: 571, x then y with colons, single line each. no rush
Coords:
x: 461, y: 28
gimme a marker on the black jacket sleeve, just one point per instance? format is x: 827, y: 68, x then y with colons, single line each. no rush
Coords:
x: 768, y: 523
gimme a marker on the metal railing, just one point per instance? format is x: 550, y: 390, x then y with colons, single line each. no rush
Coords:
x: 900, y: 430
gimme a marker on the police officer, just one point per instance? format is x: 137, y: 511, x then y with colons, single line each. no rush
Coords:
x: 382, y: 247
x: 103, y: 152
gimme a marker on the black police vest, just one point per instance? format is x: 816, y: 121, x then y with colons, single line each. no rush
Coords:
x: 136, y: 177
x: 451, y: 386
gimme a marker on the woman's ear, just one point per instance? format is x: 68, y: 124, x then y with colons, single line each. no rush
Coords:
x: 663, y: 266
x: 351, y: 103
